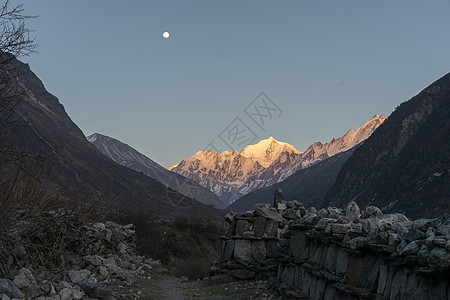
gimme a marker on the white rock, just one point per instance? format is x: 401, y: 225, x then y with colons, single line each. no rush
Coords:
x: 71, y: 293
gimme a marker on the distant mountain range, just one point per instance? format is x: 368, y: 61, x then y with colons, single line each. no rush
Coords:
x: 400, y: 164
x: 222, y: 173
x: 75, y: 166
x: 231, y: 175
x: 308, y: 185
x: 129, y: 157
x: 405, y: 165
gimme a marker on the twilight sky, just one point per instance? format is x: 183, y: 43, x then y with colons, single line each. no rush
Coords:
x: 327, y: 66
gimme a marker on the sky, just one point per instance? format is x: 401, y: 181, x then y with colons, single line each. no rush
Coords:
x: 324, y: 67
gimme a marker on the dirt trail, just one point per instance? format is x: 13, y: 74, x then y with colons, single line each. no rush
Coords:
x: 171, y: 288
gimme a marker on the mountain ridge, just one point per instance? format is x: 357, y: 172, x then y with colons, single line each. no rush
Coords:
x: 281, y: 160
x: 405, y: 165
x: 308, y: 185
x: 76, y: 168
x: 129, y: 157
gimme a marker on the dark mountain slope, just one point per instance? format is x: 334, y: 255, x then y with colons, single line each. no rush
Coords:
x: 77, y: 167
x: 306, y: 185
x: 129, y: 157
x: 405, y: 165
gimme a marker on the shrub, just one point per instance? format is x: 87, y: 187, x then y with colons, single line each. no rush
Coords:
x: 182, y: 221
x: 186, y: 247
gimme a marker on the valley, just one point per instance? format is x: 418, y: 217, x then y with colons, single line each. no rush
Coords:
x: 333, y: 183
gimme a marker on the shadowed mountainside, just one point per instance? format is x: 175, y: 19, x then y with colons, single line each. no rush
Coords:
x: 129, y: 157
x: 308, y: 186
x: 42, y: 127
x: 405, y: 165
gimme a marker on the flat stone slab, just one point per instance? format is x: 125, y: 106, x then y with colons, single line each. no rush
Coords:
x: 243, y: 252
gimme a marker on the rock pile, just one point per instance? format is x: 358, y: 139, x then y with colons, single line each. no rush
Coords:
x: 339, y: 251
x: 353, y: 254
x: 53, y: 255
x: 253, y: 240
x: 424, y: 242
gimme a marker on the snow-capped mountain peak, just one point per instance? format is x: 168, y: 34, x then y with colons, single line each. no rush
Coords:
x: 222, y: 173
x: 231, y: 174
x: 174, y: 166
x: 93, y: 137
x: 318, y: 151
x: 267, y: 151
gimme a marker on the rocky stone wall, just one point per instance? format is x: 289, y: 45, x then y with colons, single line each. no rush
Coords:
x: 54, y: 256
x: 252, y: 243
x: 340, y: 254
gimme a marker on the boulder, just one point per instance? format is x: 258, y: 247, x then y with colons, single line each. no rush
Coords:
x: 78, y: 275
x: 8, y: 288
x: 393, y: 239
x: 373, y: 211
x: 243, y: 252
x: 289, y: 214
x: 259, y: 250
x: 24, y: 279
x: 258, y: 225
x: 281, y: 206
x: 229, y: 217
x: 324, y: 222
x: 242, y: 274
x: 291, y: 204
x: 414, y: 234
x: 268, y: 213
x: 358, y: 242
x: 242, y: 226
x: 423, y: 255
x: 400, y: 229
x: 297, y: 203
x: 87, y: 287
x: 311, y: 211
x: 439, y: 258
x: 271, y: 229
x: 93, y: 260
x: 444, y: 229
x: 369, y: 226
x: 411, y: 248
x: 278, y: 197
x: 340, y: 228
x: 228, y: 249
x: 301, y: 210
x: 71, y: 293
x: 47, y: 288
x: 110, y: 263
x: 334, y: 212
x: 387, y: 221
x: 352, y: 211
x: 423, y: 224
x: 440, y: 242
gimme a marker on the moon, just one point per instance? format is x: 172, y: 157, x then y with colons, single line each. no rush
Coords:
x: 166, y: 34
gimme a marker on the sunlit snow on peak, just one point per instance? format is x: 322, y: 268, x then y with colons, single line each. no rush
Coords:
x: 267, y: 151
